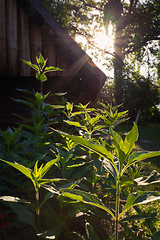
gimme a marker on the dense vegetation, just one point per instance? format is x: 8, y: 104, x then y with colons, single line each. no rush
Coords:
x: 67, y: 174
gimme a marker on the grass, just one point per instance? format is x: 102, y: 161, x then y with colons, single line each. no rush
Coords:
x: 149, y: 139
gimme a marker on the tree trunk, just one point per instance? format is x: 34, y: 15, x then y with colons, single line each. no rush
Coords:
x: 118, y: 61
x: 118, y: 79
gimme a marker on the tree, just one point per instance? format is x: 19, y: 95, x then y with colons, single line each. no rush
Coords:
x: 135, y: 22
x: 140, y: 94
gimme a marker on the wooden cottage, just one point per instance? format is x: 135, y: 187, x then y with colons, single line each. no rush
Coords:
x: 28, y: 29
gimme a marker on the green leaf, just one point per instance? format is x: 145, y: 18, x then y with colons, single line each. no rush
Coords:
x: 123, y: 149
x: 48, y: 165
x: 31, y: 105
x: 129, y: 231
x: 154, y: 177
x: 118, y: 143
x: 81, y: 173
x: 76, y: 124
x: 16, y: 132
x: 41, y: 77
x: 139, y: 156
x: 156, y: 235
x: 70, y: 185
x: 49, y: 195
x: 44, y: 181
x: 77, y: 236
x: 99, y: 213
x: 91, y: 234
x: 23, y: 214
x: 26, y: 171
x: 39, y: 96
x: 130, y: 139
x: 7, y: 136
x: 99, y: 127
x: 51, y: 189
x: 102, y: 151
x: 93, y: 120
x: 47, y: 234
x: 69, y: 107
x: 139, y: 216
x: 52, y: 106
x: 140, y: 198
x: 50, y: 68
x: 35, y: 67
x: 109, y: 167
x: 25, y: 91
x: 41, y: 62
x: 86, y: 198
x: 13, y: 199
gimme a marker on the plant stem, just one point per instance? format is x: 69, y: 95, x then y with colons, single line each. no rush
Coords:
x: 117, y: 208
x: 37, y: 210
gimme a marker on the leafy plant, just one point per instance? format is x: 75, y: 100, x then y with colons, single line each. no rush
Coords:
x: 36, y: 178
x: 41, y: 69
x: 117, y: 164
x: 96, y: 185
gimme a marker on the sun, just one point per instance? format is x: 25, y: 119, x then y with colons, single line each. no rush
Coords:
x: 105, y: 41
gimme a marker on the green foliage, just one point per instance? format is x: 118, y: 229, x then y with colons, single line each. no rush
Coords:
x: 117, y: 163
x: 139, y: 94
x: 82, y: 182
x: 41, y: 69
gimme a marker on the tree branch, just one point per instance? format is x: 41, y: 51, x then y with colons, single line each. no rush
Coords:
x: 104, y: 51
x: 89, y: 5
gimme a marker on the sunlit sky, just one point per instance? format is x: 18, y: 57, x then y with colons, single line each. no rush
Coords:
x: 103, y: 42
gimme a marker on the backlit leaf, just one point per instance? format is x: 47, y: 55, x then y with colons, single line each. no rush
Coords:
x: 102, y: 151
x: 86, y: 198
x: 26, y: 171
x: 50, y: 68
x: 154, y: 177
x: 139, y: 156
x: 140, y: 198
x: 13, y: 199
x: 35, y: 67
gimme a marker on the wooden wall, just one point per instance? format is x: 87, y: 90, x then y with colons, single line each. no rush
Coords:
x: 24, y: 35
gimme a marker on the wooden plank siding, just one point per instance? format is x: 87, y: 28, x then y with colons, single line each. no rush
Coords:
x: 24, y: 42
x: 3, y: 45
x: 28, y: 29
x: 35, y: 42
x: 24, y: 37
x: 49, y: 47
x: 12, y: 37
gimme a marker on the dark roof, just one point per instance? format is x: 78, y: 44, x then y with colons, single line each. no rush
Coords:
x: 64, y: 35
